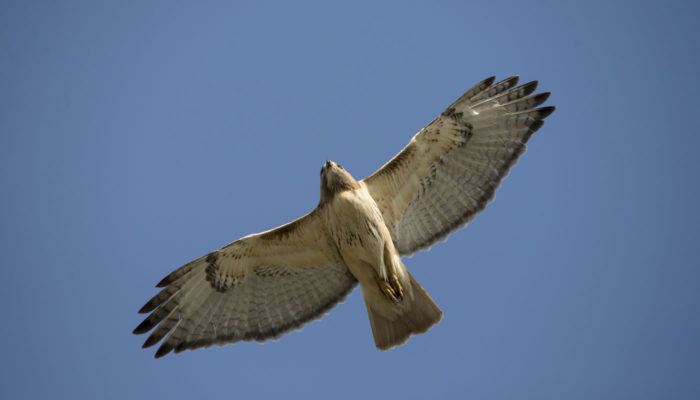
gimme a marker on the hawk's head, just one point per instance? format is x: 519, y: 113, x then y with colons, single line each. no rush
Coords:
x: 334, y: 179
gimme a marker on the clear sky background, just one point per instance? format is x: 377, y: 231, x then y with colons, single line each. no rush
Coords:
x: 136, y: 136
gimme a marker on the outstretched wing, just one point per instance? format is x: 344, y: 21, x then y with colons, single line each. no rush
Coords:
x: 258, y: 287
x: 452, y: 167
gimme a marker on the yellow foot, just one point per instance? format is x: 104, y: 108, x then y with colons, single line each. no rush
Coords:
x: 391, y: 289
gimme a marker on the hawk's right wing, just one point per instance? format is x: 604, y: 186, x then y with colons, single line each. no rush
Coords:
x: 258, y: 287
x: 452, y: 167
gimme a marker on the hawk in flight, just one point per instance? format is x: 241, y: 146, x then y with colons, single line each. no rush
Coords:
x: 266, y: 284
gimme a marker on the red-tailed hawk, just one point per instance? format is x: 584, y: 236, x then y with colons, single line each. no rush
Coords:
x: 264, y: 285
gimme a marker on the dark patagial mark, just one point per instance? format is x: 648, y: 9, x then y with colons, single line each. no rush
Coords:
x: 283, y: 231
x: 399, y: 160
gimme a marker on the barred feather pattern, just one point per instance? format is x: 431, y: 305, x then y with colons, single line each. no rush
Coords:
x: 451, y: 168
x: 256, y: 288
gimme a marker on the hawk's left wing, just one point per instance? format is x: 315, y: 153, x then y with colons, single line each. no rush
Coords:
x: 257, y: 287
x: 451, y: 168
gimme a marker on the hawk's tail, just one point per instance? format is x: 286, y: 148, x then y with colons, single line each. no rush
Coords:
x: 421, y: 314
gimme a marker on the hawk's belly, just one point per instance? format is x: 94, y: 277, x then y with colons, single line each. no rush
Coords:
x: 357, y: 228
x: 358, y: 231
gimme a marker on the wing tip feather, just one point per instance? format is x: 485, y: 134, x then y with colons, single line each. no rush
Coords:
x: 167, y: 280
x: 145, y: 326
x: 150, y: 342
x: 528, y: 88
x: 544, y: 112
x: 510, y: 81
x: 148, y: 307
x: 541, y: 97
x: 163, y: 350
x: 534, y: 127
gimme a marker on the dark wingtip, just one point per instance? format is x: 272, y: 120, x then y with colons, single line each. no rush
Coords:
x: 529, y: 87
x: 535, y: 126
x: 143, y: 327
x: 511, y: 80
x: 164, y: 349
x: 544, y: 112
x: 148, y: 307
x: 474, y: 91
x: 150, y: 342
x: 542, y: 97
x: 165, y: 281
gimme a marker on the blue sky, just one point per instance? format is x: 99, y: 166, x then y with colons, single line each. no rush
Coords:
x: 136, y: 136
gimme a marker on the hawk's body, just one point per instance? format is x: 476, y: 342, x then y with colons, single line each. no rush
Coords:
x: 396, y: 304
x: 266, y: 284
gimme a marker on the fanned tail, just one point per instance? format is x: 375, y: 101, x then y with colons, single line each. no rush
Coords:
x: 422, y: 314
